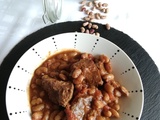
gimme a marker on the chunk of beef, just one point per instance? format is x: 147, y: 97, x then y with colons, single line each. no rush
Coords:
x: 59, y: 92
x: 89, y: 71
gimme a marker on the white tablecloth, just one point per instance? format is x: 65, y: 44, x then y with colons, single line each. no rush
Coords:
x: 140, y: 19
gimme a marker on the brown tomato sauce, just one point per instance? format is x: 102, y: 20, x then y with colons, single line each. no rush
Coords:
x: 71, y: 85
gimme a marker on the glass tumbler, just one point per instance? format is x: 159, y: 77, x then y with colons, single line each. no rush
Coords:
x: 52, y: 10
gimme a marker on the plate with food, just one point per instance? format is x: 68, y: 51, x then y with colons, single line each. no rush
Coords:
x: 74, y: 76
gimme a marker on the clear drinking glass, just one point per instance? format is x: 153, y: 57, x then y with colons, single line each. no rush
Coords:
x: 52, y: 10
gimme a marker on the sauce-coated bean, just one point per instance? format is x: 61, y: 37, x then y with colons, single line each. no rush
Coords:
x: 37, y: 115
x: 76, y: 73
x: 115, y: 113
x: 36, y: 101
x: 38, y: 107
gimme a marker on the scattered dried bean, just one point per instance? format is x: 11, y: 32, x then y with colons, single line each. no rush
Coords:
x: 107, y: 26
x: 83, y: 9
x: 104, y: 4
x: 87, y: 31
x: 91, y: 31
x: 82, y: 29
x: 86, y: 18
x: 103, y: 17
x: 97, y: 34
x: 95, y: 26
x: 89, y: 25
x: 89, y: 4
x: 85, y: 24
x: 83, y: 2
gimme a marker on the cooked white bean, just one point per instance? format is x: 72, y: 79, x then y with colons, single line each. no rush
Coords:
x: 84, y: 55
x: 36, y: 101
x: 115, y: 113
x: 115, y: 84
x: 91, y: 91
x: 55, y: 65
x: 79, y: 79
x: 46, y: 115
x: 76, y: 73
x: 62, y: 66
x: 109, y: 88
x: 59, y: 116
x: 100, y: 118
x: 41, y: 71
x: 72, y: 54
x: 108, y: 67
x: 116, y: 107
x: 106, y: 97
x: 38, y: 107
x: 33, y: 85
x: 37, y: 115
x: 99, y: 104
x: 62, y: 76
x: 117, y: 93
x: 107, y: 113
x: 124, y: 90
x: 53, y: 114
x: 108, y: 77
x: 102, y: 69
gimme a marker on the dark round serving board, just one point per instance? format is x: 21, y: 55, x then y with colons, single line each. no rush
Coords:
x: 145, y: 65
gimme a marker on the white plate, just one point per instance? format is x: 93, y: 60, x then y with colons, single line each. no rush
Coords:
x: 17, y: 101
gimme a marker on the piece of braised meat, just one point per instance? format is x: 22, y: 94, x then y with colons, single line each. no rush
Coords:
x: 90, y: 72
x: 79, y: 108
x: 59, y: 92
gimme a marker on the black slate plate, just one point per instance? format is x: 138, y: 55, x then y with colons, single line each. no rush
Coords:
x: 145, y: 65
